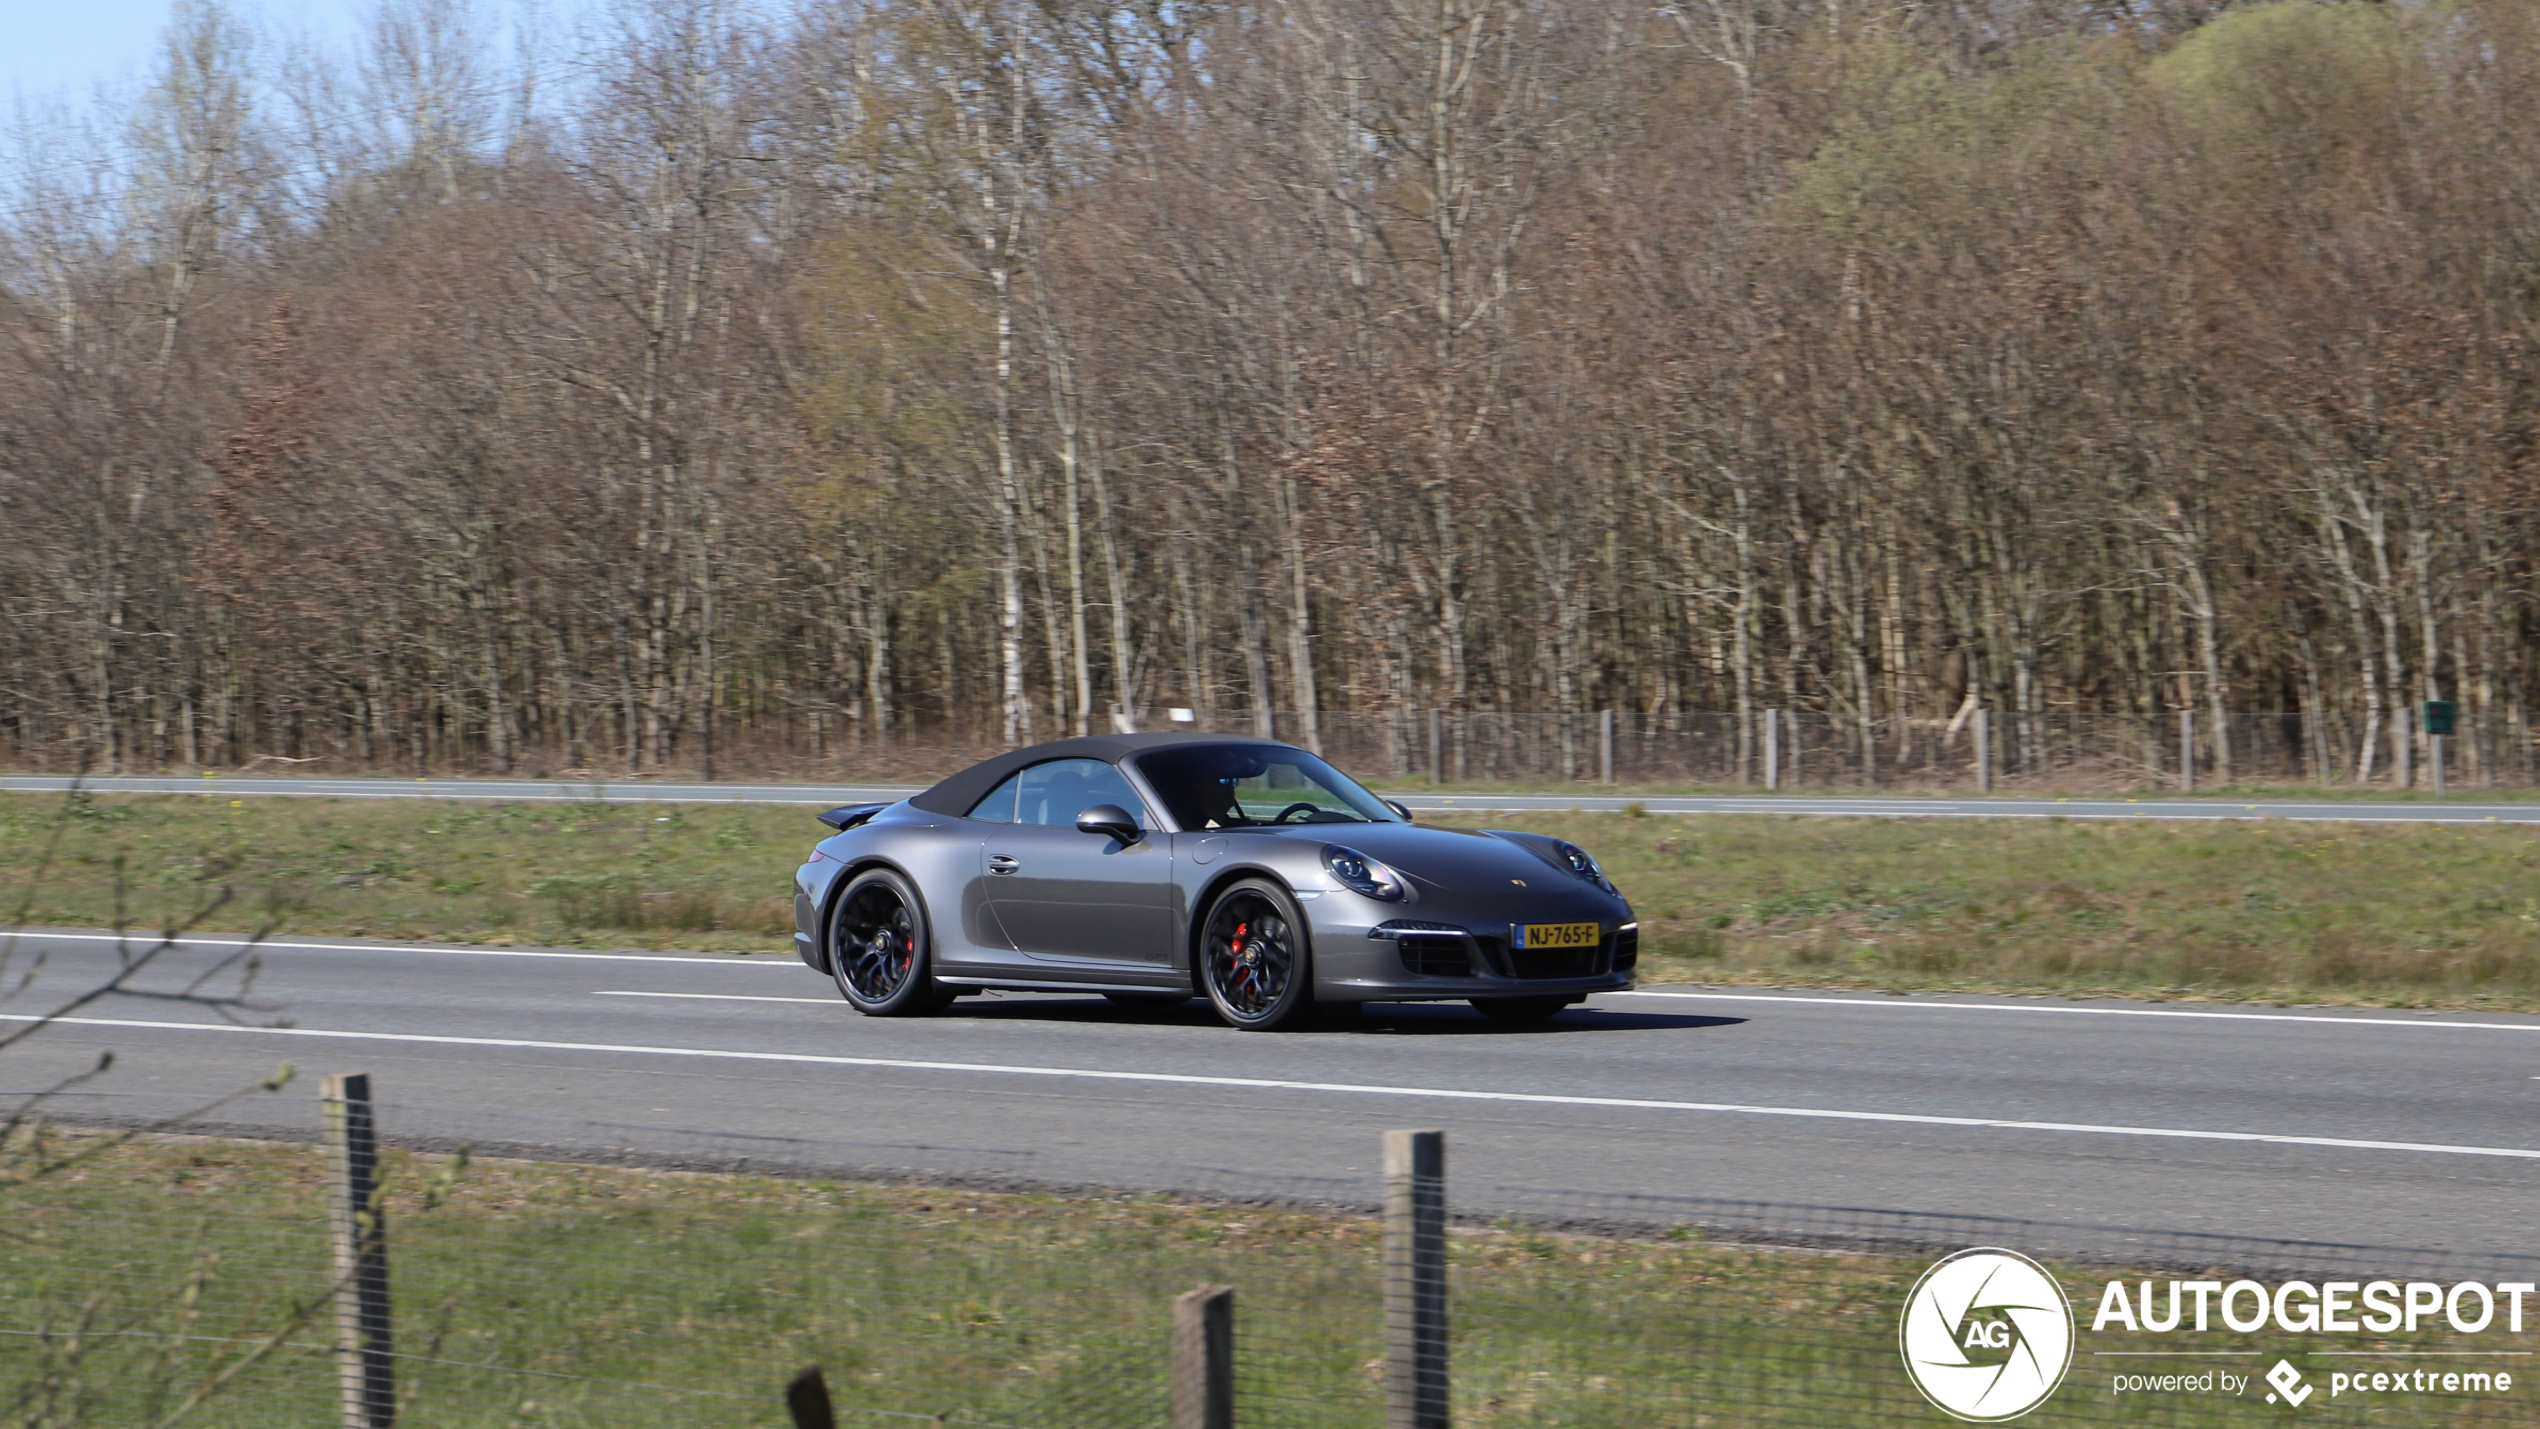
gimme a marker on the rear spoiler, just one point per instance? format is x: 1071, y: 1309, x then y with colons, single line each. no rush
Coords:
x: 850, y: 815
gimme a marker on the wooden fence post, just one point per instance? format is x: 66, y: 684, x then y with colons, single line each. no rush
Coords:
x: 1415, y: 1280
x: 366, y: 1376
x: 1204, y: 1358
x: 807, y: 1400
x: 1437, y: 749
x: 1984, y: 750
x: 2187, y: 751
x: 1772, y: 751
x: 1605, y: 746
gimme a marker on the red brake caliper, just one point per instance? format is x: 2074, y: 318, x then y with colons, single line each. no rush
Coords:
x: 1236, y: 951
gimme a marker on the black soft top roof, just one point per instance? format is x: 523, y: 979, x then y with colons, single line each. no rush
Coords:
x: 960, y: 793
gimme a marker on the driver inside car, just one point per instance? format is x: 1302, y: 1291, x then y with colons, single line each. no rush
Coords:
x: 1228, y: 789
x: 1221, y: 802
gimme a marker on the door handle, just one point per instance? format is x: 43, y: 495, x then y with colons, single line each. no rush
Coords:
x: 1002, y: 863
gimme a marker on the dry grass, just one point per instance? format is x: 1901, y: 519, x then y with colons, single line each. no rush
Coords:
x: 605, y: 874
x: 2413, y: 916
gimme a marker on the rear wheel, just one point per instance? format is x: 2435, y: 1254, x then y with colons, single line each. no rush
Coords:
x: 878, y: 948
x: 1521, y: 1011
x: 1254, y: 961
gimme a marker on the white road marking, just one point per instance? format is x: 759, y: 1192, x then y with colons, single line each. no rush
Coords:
x: 1894, y: 1002
x: 781, y: 961
x: 726, y: 997
x: 785, y: 798
x: 771, y: 961
x: 1328, y: 1088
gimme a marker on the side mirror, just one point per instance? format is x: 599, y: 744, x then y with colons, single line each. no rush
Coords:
x: 1111, y: 821
x: 1397, y: 808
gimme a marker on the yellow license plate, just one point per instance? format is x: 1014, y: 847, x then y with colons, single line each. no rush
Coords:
x: 1557, y: 935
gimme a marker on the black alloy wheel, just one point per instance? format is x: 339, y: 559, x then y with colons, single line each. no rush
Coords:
x: 1254, y: 960
x: 877, y: 948
x: 1521, y: 1011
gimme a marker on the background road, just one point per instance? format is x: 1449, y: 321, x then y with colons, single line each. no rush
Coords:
x: 827, y: 795
x: 2391, y: 1128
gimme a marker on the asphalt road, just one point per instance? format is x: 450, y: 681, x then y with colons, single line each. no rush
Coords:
x: 2385, y: 1128
x: 828, y: 795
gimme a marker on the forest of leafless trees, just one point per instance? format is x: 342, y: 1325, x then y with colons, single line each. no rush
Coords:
x: 725, y: 384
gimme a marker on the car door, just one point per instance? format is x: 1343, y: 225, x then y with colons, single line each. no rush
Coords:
x: 1063, y: 895
x: 968, y: 938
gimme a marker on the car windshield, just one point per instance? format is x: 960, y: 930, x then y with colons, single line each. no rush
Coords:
x: 1233, y: 786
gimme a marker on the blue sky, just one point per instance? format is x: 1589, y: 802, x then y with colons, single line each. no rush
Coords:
x: 64, y: 49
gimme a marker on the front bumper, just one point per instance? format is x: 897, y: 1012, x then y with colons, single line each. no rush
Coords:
x: 1428, y: 960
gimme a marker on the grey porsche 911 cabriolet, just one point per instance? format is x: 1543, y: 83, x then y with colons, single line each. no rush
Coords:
x: 1153, y: 868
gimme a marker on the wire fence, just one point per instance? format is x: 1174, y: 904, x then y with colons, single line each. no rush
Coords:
x: 1784, y: 749
x: 1761, y: 749
x: 557, y: 1273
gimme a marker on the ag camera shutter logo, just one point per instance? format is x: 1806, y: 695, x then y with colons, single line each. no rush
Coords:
x: 1987, y: 1335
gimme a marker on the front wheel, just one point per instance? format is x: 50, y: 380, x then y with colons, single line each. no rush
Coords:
x: 1521, y: 1011
x: 878, y: 948
x: 1254, y: 959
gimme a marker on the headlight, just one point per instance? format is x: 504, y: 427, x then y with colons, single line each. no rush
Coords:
x: 1360, y: 874
x: 1585, y: 866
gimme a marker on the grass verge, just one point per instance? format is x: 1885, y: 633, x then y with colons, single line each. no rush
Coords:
x: 669, y: 875
x: 2419, y: 915
x: 561, y: 1296
x: 2415, y: 916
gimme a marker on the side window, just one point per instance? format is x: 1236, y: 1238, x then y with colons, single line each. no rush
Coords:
x: 1056, y: 792
x: 998, y: 807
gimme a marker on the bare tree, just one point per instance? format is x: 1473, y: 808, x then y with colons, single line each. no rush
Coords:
x: 759, y: 389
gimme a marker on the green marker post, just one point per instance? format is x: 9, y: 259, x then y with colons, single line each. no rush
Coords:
x: 2437, y: 717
